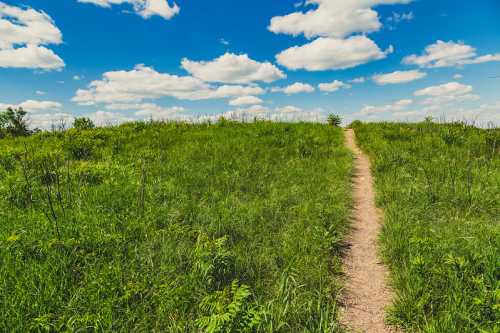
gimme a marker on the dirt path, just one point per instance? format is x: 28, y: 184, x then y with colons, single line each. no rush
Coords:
x: 367, y: 293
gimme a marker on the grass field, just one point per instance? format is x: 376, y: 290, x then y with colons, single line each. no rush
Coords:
x: 183, y: 228
x: 439, y: 186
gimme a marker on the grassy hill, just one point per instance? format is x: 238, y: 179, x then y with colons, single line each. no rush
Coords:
x: 439, y: 186
x: 173, y: 227
x: 232, y: 227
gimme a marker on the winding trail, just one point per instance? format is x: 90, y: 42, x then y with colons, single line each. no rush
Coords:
x: 366, y: 294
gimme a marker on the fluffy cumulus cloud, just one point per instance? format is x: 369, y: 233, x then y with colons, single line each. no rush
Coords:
x: 295, y: 88
x: 398, y: 77
x: 485, y: 115
x: 287, y: 113
x: 329, y: 53
x: 245, y: 100
x: 50, y: 120
x: 148, y: 110
x: 107, y: 118
x: 448, y: 54
x: 232, y: 68
x: 145, y: 8
x: 397, y: 106
x: 337, y: 19
x: 43, y: 114
x: 144, y: 83
x: 24, y: 34
x: 35, y: 106
x: 333, y: 23
x: 446, y: 93
x: 451, y: 88
x: 333, y: 86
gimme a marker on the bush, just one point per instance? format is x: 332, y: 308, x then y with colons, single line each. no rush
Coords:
x: 13, y: 121
x: 83, y: 124
x: 334, y: 120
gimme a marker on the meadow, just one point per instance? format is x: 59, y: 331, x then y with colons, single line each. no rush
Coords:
x: 439, y: 187
x: 177, y: 227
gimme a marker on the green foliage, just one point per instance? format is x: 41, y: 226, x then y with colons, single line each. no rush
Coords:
x: 83, y: 123
x: 13, y: 121
x: 229, y: 310
x: 334, y: 120
x: 173, y: 228
x: 213, y: 262
x: 439, y: 187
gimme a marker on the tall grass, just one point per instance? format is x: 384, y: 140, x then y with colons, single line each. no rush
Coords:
x: 173, y: 227
x: 439, y: 186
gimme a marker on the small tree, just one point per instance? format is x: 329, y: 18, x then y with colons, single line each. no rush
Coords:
x: 83, y: 124
x: 334, y: 120
x: 4, y: 120
x: 3, y: 123
x: 13, y: 121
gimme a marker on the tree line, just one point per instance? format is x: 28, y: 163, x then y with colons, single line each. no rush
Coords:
x: 14, y: 122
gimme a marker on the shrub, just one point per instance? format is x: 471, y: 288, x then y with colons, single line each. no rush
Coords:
x: 83, y: 124
x: 13, y: 121
x: 334, y: 120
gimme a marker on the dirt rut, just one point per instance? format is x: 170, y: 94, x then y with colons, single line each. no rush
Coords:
x: 367, y: 293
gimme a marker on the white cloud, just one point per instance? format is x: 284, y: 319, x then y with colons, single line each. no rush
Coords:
x: 295, y: 88
x: 31, y: 56
x: 447, y: 89
x: 337, y: 19
x: 23, y: 34
x: 232, y: 68
x: 398, y: 106
x: 458, y: 76
x: 448, y: 54
x: 398, y: 77
x: 483, y: 59
x: 143, y: 83
x: 333, y: 86
x: 145, y: 8
x: 358, y: 80
x: 334, y: 23
x: 287, y: 113
x: 245, y: 100
x: 229, y: 91
x: 451, y: 92
x: 329, y: 53
x: 26, y: 26
x: 156, y: 112
x: 439, y: 101
x: 486, y: 115
x: 35, y: 106
x: 77, y: 77
x: 143, y: 111
x: 104, y: 118
x: 289, y: 109
x: 40, y: 92
x: 49, y: 120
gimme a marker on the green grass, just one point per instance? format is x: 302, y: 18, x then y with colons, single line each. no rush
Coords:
x: 439, y: 186
x: 175, y: 227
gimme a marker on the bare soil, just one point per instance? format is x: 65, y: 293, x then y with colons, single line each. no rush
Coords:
x: 366, y: 294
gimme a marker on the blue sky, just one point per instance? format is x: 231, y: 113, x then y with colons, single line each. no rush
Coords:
x: 119, y: 60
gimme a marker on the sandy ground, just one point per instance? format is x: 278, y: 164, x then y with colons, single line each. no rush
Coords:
x: 366, y: 294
